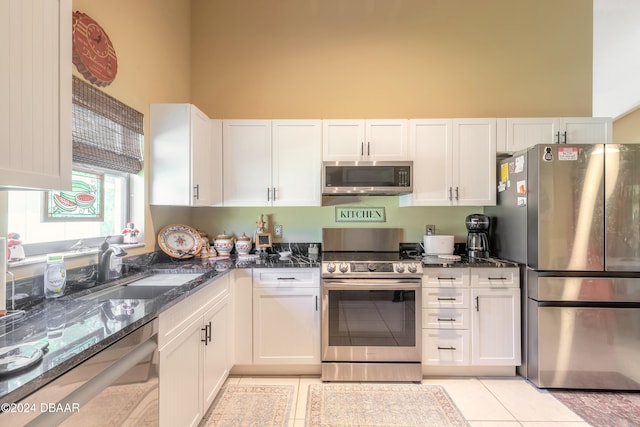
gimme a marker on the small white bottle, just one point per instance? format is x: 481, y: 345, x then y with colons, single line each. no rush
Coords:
x: 55, y: 276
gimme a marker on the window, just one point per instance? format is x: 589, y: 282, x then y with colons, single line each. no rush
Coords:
x: 26, y: 210
x: 108, y: 140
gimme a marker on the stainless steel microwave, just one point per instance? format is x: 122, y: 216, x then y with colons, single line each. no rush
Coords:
x: 367, y: 177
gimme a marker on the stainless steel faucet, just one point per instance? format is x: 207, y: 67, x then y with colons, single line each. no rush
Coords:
x: 104, y: 259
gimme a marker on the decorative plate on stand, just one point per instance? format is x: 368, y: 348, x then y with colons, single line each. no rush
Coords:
x: 179, y: 241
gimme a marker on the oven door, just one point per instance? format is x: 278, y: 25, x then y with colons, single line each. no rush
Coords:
x: 371, y: 320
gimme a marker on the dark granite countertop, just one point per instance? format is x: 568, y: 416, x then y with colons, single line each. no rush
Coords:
x: 76, y: 326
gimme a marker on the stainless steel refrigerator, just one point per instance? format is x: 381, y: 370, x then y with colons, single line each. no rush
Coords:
x: 570, y: 214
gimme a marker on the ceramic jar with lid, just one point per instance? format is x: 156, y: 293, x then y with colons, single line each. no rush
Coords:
x: 223, y: 243
x: 243, y: 244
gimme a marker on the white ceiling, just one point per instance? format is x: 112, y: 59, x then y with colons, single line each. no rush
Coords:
x: 616, y: 57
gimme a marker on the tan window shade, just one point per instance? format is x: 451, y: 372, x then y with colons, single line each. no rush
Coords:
x: 106, y: 133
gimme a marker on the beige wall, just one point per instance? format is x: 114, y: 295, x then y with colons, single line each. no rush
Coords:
x: 392, y: 58
x: 626, y: 130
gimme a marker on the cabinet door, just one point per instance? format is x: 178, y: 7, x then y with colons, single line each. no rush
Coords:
x: 522, y: 133
x: 247, y: 162
x: 343, y: 140
x: 201, y: 157
x: 181, y: 156
x: 286, y: 326
x: 386, y: 140
x: 35, y: 94
x: 180, y: 378
x: 585, y: 130
x: 215, y: 367
x: 495, y: 326
x: 474, y: 162
x: 431, y: 149
x: 297, y: 162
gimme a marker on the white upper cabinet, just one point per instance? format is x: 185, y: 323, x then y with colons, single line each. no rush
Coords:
x: 474, y: 162
x: 186, y: 156
x: 272, y: 163
x: 352, y: 140
x: 247, y: 162
x: 35, y: 94
x: 454, y: 162
x: 517, y: 134
x: 297, y: 162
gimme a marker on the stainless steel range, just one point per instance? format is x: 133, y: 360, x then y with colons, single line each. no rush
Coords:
x: 371, y: 307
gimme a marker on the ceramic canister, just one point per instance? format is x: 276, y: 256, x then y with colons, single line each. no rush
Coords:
x: 223, y: 243
x: 243, y: 244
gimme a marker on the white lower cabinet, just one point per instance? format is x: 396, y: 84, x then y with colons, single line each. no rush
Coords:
x: 286, y: 316
x: 495, y: 317
x: 471, y: 317
x: 194, y: 352
x: 445, y: 316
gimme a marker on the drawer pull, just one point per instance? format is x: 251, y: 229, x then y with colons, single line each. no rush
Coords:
x: 446, y: 348
x: 446, y: 278
x: 496, y: 278
x: 286, y: 278
x: 446, y: 299
x: 440, y: 319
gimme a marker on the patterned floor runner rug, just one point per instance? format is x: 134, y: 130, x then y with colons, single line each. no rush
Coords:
x: 381, y: 405
x: 603, y: 409
x: 251, y: 405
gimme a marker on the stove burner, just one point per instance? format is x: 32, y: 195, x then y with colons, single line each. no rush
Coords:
x: 369, y: 265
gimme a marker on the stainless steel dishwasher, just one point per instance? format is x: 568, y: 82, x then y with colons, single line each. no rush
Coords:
x: 116, y: 387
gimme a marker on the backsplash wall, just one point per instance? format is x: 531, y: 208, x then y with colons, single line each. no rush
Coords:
x: 304, y: 224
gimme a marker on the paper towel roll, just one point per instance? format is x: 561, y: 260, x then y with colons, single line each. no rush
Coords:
x: 438, y: 244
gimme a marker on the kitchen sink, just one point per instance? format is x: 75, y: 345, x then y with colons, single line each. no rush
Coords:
x: 167, y: 279
x: 148, y: 287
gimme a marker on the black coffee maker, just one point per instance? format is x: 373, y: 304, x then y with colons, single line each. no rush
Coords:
x: 477, y: 237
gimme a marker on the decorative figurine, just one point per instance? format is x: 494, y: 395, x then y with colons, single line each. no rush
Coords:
x: 15, y: 250
x: 130, y: 234
x: 262, y: 225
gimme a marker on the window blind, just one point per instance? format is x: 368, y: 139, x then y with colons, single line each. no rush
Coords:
x: 106, y: 133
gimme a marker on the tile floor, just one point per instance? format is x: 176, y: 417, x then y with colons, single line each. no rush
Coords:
x: 484, y: 402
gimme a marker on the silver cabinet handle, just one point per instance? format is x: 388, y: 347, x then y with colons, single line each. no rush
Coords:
x: 316, y: 303
x: 565, y: 137
x: 457, y: 194
x: 362, y: 149
x: 196, y: 192
x: 274, y: 194
x: 268, y: 194
x: 477, y: 303
x: 446, y: 299
x: 440, y: 319
x: 558, y: 137
x: 446, y: 348
x: 368, y: 148
x: 450, y: 193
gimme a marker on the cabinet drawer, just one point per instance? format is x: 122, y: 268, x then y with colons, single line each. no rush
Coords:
x: 286, y: 277
x: 445, y: 277
x: 495, y: 277
x: 445, y: 318
x: 175, y: 319
x: 445, y: 347
x: 445, y: 297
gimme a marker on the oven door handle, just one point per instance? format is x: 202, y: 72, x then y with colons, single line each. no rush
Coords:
x: 372, y: 283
